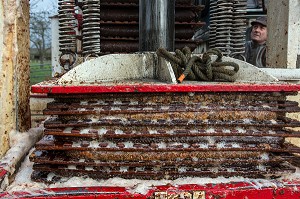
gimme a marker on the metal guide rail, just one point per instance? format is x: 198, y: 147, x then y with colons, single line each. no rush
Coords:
x: 168, y: 134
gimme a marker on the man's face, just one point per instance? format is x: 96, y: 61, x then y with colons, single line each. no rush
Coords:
x: 259, y: 33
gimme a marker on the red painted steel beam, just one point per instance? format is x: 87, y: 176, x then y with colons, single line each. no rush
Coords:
x: 237, y: 190
x: 3, y: 174
x: 146, y: 87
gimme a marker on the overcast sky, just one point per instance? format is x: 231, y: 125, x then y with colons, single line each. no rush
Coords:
x: 45, y: 5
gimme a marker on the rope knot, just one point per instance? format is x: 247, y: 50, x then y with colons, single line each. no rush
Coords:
x: 192, y: 67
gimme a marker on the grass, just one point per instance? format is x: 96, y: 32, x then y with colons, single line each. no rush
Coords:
x: 39, y: 73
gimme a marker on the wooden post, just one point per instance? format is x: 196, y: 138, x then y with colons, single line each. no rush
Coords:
x: 14, y: 69
x: 283, y: 45
x: 283, y: 33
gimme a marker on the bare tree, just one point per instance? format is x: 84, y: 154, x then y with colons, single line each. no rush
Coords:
x: 40, y: 25
x: 40, y: 33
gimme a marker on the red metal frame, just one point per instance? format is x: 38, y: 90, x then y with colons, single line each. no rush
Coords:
x: 3, y: 174
x: 155, y: 87
x: 236, y: 190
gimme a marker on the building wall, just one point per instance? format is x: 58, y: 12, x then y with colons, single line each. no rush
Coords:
x: 283, y: 33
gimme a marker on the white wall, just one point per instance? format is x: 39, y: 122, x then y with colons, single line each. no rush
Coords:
x: 56, y: 68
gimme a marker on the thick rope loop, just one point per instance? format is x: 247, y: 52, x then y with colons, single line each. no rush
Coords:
x: 196, y: 68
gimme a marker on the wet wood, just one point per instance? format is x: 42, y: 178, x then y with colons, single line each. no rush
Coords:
x: 14, y: 69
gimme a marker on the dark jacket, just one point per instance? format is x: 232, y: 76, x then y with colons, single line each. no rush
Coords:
x: 255, y: 54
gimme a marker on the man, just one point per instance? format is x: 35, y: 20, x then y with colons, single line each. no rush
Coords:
x: 255, y: 49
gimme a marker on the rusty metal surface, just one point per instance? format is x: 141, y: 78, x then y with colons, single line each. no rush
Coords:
x: 228, y: 26
x: 119, y: 25
x: 188, y: 2
x: 131, y: 29
x: 168, y: 135
x: 121, y: 45
x: 108, y: 31
x: 150, y: 175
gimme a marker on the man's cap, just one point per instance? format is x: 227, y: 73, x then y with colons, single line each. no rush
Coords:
x: 261, y: 20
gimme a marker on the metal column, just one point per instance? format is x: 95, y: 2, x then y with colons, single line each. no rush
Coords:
x: 156, y: 24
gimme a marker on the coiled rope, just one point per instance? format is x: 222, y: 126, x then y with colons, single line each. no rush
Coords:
x: 192, y: 67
